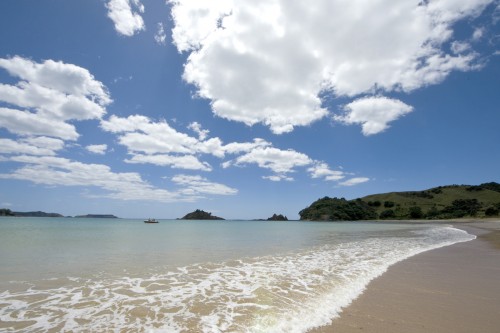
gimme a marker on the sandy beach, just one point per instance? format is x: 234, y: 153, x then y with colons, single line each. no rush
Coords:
x: 451, y: 289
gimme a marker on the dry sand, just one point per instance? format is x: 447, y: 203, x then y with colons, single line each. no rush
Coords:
x: 451, y: 289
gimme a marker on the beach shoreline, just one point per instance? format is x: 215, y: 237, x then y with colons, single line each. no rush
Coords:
x: 450, y: 289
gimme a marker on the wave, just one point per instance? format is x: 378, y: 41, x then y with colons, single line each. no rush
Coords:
x: 290, y: 292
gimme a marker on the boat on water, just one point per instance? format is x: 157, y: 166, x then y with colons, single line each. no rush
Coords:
x: 151, y: 221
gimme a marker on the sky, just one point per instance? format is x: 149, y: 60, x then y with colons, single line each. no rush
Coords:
x: 243, y: 108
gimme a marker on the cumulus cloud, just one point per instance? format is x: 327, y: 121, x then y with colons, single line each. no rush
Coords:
x: 51, y: 170
x: 478, y: 33
x: 126, y: 15
x: 31, y: 146
x: 48, y: 95
x: 160, y: 144
x: 279, y: 161
x: 322, y: 170
x: 200, y: 185
x: 458, y: 47
x: 278, y: 178
x: 373, y: 113
x: 196, y: 127
x: 186, y: 162
x: 354, y: 181
x: 160, y: 36
x: 269, y: 61
x: 27, y: 123
x: 97, y: 149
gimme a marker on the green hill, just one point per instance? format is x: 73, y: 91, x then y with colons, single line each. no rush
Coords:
x: 444, y: 202
x: 453, y: 201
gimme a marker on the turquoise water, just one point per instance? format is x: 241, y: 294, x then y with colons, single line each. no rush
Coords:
x: 193, y: 276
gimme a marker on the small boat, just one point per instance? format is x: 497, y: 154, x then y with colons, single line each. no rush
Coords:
x: 151, y: 221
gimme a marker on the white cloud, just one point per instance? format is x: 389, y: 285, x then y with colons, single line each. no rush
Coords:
x: 200, y: 185
x: 140, y: 134
x: 45, y: 142
x: 322, y: 170
x: 126, y: 15
x: 458, y: 47
x: 355, y: 181
x: 47, y: 96
x: 478, y: 34
x: 278, y: 178
x: 49, y: 170
x: 196, y: 127
x: 58, y: 76
x: 277, y: 160
x: 27, y: 123
x: 31, y: 146
x: 159, y: 144
x: 268, y: 61
x: 160, y: 36
x: 187, y: 162
x: 97, y: 149
x: 373, y: 113
x: 61, y: 171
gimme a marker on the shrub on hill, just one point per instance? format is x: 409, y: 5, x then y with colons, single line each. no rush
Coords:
x: 491, y: 211
x: 387, y: 214
x: 415, y: 212
x: 492, y: 186
x: 463, y: 207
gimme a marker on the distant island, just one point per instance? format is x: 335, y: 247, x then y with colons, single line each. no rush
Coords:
x: 277, y: 218
x: 200, y: 215
x: 443, y: 202
x: 8, y: 212
x: 97, y: 216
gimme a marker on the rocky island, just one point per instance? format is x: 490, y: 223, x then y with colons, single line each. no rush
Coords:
x: 278, y: 217
x: 200, y: 215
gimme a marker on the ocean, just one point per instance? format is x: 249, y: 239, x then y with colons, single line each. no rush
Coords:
x: 122, y: 275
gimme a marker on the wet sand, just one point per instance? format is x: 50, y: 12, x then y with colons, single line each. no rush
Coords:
x: 451, y: 289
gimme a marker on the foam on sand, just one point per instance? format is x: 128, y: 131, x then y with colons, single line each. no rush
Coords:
x: 289, y: 292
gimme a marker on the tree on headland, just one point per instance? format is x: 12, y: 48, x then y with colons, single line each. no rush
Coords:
x: 6, y: 212
x: 335, y: 209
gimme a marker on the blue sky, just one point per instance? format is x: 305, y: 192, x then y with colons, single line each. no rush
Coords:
x: 144, y: 108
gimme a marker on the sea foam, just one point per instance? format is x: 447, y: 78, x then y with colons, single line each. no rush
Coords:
x: 288, y: 292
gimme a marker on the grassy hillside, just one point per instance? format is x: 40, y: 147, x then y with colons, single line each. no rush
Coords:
x: 452, y: 201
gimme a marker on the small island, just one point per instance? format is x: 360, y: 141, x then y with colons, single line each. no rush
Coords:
x: 200, y: 215
x: 97, y: 216
x: 278, y: 217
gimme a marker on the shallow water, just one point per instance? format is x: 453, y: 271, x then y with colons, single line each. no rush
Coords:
x: 194, y: 276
